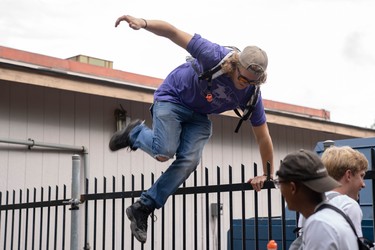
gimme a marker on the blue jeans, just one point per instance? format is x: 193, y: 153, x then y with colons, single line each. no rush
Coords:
x: 177, y: 131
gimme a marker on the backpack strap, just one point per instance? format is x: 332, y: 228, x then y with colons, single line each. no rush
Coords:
x: 325, y: 205
x: 362, y: 243
x: 211, y: 74
x: 247, y: 112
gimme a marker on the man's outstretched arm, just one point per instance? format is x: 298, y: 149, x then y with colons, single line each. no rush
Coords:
x: 158, y: 27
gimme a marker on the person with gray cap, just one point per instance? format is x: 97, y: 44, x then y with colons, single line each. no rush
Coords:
x: 181, y: 126
x: 303, y: 181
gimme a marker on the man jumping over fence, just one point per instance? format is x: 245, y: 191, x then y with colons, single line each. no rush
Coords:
x: 181, y: 126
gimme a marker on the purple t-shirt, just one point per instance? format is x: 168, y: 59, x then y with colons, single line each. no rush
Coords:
x: 182, y: 85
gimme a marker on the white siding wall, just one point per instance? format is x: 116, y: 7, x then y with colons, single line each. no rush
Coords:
x: 61, y: 117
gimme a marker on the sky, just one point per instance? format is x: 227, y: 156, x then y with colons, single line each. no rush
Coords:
x: 321, y: 52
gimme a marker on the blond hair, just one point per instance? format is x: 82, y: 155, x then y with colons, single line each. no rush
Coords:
x: 338, y: 160
x: 230, y: 64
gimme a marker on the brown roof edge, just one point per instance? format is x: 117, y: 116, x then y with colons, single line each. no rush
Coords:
x: 295, y: 109
x: 69, y: 65
x: 84, y: 68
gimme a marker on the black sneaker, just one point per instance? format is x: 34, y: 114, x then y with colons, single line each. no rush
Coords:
x: 138, y: 215
x: 120, y: 139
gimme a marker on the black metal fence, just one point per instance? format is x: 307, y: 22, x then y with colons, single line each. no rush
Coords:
x: 177, y: 217
x: 33, y: 223
x: 188, y: 221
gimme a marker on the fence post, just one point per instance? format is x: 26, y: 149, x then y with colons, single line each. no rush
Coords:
x: 75, y: 201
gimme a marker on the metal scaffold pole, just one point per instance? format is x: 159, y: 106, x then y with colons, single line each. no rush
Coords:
x: 75, y: 201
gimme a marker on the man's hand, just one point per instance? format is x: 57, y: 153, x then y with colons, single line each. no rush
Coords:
x: 134, y: 23
x: 257, y: 182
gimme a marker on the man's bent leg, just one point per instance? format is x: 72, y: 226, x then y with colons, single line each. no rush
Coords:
x: 194, y: 136
x: 166, y: 123
x: 161, y: 142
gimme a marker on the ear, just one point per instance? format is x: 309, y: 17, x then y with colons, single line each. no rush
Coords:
x: 263, y: 77
x: 293, y: 187
x: 348, y: 175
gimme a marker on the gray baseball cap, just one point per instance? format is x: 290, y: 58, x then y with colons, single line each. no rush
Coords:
x: 306, y: 167
x: 254, y: 59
